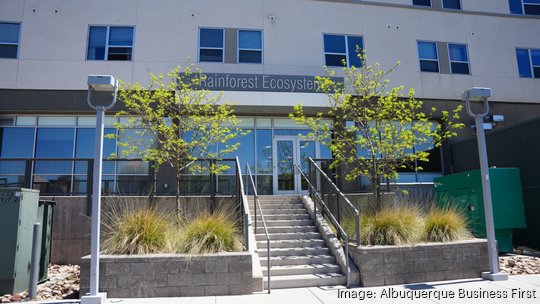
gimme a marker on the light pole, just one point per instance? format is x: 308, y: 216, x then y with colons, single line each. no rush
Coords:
x: 103, y: 83
x: 482, y: 95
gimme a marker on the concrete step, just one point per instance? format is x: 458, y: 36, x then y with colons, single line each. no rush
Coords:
x: 267, y: 198
x: 306, y: 280
x: 274, y: 223
x: 280, y: 211
x: 299, y: 260
x: 288, y: 236
x: 297, y: 251
x: 274, y: 217
x: 278, y: 207
x: 302, y: 269
x: 291, y: 243
x: 289, y: 229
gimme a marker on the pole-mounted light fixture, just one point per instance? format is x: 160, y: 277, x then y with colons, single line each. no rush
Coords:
x: 101, y: 83
x: 481, y: 95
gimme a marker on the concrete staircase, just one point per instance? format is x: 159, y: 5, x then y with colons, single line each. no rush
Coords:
x: 299, y: 256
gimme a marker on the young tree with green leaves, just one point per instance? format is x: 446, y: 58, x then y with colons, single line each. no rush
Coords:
x: 174, y: 121
x: 376, y: 128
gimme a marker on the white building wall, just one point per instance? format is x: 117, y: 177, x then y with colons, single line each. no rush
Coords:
x: 53, y: 42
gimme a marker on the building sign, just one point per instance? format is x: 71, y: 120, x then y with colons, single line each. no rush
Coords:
x: 262, y: 83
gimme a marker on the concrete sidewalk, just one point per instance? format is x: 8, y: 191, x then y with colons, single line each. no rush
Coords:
x: 518, y: 289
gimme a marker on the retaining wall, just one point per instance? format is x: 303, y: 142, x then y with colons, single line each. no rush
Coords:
x: 390, y: 265
x: 173, y: 275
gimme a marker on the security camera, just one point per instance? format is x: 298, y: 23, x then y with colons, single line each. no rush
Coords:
x: 477, y: 94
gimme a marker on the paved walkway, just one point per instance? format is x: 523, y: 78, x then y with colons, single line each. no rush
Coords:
x: 518, y: 289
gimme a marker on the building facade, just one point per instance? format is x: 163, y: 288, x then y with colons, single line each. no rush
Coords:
x: 263, y: 55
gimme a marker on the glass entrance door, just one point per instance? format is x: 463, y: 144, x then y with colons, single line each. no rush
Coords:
x: 290, y: 150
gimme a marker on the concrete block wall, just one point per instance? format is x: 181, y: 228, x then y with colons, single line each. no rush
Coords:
x: 173, y: 275
x: 426, y: 262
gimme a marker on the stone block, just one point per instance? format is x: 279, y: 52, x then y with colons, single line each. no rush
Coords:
x: 107, y: 282
x: 424, y: 266
x: 154, y: 280
x: 142, y: 268
x: 216, y: 290
x: 453, y: 274
x: 228, y: 278
x: 240, y: 289
x: 167, y: 291
x: 179, y: 279
x: 371, y: 281
x: 216, y: 266
x: 394, y: 279
x: 415, y: 277
x: 118, y: 293
x: 241, y: 266
x: 443, y: 265
x: 131, y: 281
x: 435, y: 276
x: 117, y: 268
x: 192, y: 291
x: 203, y: 279
x: 393, y: 257
x: 194, y: 267
x: 372, y: 259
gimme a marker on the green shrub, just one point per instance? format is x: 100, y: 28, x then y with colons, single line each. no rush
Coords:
x: 209, y: 233
x: 392, y: 226
x: 135, y: 231
x: 445, y: 225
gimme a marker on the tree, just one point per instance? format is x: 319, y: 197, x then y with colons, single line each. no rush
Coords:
x: 174, y: 121
x: 375, y: 128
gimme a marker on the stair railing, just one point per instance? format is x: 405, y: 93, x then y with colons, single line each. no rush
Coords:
x: 257, y: 205
x: 325, y: 211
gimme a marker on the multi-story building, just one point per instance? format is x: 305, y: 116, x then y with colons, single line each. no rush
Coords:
x: 263, y: 54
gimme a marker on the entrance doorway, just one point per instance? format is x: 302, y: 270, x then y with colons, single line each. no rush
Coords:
x: 290, y: 150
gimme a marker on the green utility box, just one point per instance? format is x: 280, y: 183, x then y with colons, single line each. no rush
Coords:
x: 464, y: 190
x: 45, y: 218
x: 18, y: 211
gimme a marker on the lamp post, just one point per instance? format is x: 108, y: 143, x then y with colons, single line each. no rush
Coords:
x: 103, y: 83
x: 482, y: 95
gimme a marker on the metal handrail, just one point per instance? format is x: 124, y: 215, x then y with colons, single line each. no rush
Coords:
x: 244, y: 202
x: 345, y: 199
x: 256, y: 204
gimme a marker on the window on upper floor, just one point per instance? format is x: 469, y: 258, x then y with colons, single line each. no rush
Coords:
x: 211, y: 45
x: 459, y: 59
x: 342, y: 48
x: 9, y: 39
x: 110, y: 43
x: 250, y: 46
x: 422, y: 2
x: 429, y: 59
x: 528, y: 63
x: 453, y: 4
x: 525, y: 7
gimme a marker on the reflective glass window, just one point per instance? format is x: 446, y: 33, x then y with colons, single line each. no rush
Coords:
x: 17, y: 142
x: 211, y: 45
x: 118, y: 46
x: 9, y: 39
x: 340, y: 48
x: 453, y: 4
x: 422, y: 2
x: 54, y: 142
x: 459, y: 61
x: 427, y: 54
x: 264, y: 151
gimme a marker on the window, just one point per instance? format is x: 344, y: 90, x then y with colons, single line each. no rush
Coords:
x: 340, y: 48
x: 528, y: 63
x: 427, y: 53
x: 453, y: 4
x: 110, y: 43
x: 525, y: 7
x: 249, y: 46
x: 459, y: 59
x: 211, y: 44
x: 422, y: 2
x: 9, y: 39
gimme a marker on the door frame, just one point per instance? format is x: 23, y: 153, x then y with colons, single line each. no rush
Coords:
x: 297, y: 178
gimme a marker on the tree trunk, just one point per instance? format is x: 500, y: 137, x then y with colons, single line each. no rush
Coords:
x: 375, y: 186
x: 178, y: 177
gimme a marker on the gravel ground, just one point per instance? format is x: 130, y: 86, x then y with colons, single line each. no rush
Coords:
x: 63, y: 283
x: 63, y: 280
